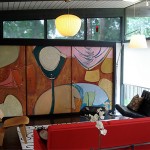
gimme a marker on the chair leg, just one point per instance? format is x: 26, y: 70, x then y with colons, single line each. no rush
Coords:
x: 2, y: 133
x: 23, y: 132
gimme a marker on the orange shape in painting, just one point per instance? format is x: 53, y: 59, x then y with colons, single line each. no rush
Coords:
x: 14, y: 79
x: 31, y: 78
x: 9, y: 82
x: 78, y: 103
x: 17, y: 77
x: 107, y: 86
x: 107, y: 65
x: 92, y: 76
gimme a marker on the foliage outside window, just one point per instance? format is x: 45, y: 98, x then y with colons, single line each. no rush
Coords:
x: 52, y: 32
x: 98, y: 29
x: 24, y: 29
x: 142, y: 24
x: 103, y: 29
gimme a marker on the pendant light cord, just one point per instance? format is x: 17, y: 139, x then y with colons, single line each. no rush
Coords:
x: 134, y: 11
x: 68, y: 4
x: 68, y: 9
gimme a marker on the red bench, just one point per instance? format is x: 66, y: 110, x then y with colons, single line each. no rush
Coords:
x: 126, y: 134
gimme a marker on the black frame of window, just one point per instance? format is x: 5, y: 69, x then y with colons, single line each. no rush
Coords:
x: 20, y: 15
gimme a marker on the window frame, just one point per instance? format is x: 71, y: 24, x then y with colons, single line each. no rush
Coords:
x: 20, y: 15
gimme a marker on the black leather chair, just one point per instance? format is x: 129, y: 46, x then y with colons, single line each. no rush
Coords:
x: 123, y: 110
x: 143, y: 111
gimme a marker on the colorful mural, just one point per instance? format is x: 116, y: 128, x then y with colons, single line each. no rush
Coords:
x: 55, y: 73
x: 12, y: 80
x: 54, y: 79
x: 90, y: 69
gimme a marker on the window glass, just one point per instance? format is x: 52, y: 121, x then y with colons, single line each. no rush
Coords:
x: 103, y: 29
x: 137, y: 25
x: 137, y: 20
x: 52, y: 32
x: 33, y: 29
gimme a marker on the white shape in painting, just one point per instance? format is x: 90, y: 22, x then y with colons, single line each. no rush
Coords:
x: 49, y: 58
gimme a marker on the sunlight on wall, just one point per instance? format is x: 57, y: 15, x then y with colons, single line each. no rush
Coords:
x: 136, y: 66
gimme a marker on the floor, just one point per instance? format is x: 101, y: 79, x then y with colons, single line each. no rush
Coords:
x: 11, y: 139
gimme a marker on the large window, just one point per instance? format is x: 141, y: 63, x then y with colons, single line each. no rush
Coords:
x: 33, y: 29
x: 136, y: 72
x: 103, y: 29
x: 98, y: 29
x: 52, y: 32
x: 136, y: 61
x: 137, y: 20
x: 137, y: 25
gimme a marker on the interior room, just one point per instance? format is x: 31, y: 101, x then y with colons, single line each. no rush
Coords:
x: 74, y: 69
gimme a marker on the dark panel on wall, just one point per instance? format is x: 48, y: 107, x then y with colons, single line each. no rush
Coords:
x: 54, y: 42
x: 52, y: 14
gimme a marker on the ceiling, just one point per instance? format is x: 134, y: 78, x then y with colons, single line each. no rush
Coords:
x: 61, y: 4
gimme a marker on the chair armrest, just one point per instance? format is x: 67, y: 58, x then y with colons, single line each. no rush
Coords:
x: 127, y: 112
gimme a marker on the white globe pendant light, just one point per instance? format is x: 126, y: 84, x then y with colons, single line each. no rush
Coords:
x: 68, y: 24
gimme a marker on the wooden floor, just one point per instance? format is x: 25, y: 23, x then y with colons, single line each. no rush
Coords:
x: 11, y: 139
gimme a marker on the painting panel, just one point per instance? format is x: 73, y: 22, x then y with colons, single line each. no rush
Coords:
x: 12, y: 81
x: 92, y: 76
x: 48, y: 86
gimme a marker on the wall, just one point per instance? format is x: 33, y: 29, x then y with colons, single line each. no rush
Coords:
x: 137, y: 75
x: 136, y: 64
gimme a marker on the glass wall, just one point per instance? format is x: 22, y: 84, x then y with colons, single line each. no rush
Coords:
x: 137, y: 20
x: 135, y: 73
x: 137, y: 25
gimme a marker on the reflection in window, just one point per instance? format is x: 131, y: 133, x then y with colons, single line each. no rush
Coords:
x: 52, y: 32
x: 138, y: 24
x: 33, y: 29
x: 103, y: 29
